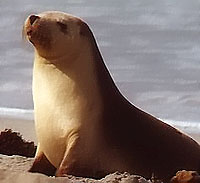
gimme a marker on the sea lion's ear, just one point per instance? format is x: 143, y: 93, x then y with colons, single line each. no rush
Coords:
x: 63, y: 27
x: 84, y: 29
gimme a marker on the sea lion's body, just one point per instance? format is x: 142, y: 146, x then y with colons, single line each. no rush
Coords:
x: 84, y: 126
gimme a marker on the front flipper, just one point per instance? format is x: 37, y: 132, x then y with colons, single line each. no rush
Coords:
x: 78, y: 160
x: 71, y: 157
x: 42, y: 165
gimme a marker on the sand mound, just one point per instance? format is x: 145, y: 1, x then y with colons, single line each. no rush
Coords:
x: 11, y: 143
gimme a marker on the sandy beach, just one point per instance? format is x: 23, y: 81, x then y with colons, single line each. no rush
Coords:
x: 12, y: 176
x: 14, y: 169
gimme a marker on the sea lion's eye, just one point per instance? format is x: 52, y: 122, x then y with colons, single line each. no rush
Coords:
x: 63, y: 27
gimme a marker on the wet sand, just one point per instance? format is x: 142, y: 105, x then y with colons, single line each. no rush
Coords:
x: 25, y: 127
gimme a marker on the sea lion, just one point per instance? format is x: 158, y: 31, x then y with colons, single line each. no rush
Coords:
x: 84, y: 125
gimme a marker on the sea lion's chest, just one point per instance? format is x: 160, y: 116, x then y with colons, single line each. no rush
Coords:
x: 63, y: 105
x: 57, y: 104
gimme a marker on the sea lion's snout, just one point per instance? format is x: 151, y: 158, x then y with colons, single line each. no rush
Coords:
x: 36, y: 31
x: 33, y: 18
x: 30, y: 26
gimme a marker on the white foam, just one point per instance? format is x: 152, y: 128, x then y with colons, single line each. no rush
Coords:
x: 16, y: 113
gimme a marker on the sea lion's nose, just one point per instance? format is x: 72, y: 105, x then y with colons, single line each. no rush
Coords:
x: 33, y: 18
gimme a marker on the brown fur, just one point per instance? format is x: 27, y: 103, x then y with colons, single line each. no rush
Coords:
x: 149, y: 145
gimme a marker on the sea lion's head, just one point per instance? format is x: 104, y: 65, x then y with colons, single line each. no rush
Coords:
x: 55, y: 34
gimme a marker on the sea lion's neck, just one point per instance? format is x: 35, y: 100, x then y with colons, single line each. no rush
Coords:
x: 70, y: 84
x: 109, y: 92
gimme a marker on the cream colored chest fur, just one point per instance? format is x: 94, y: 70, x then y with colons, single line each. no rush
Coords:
x: 64, y: 104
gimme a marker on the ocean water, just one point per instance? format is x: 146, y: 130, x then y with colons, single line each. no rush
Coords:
x: 152, y: 49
